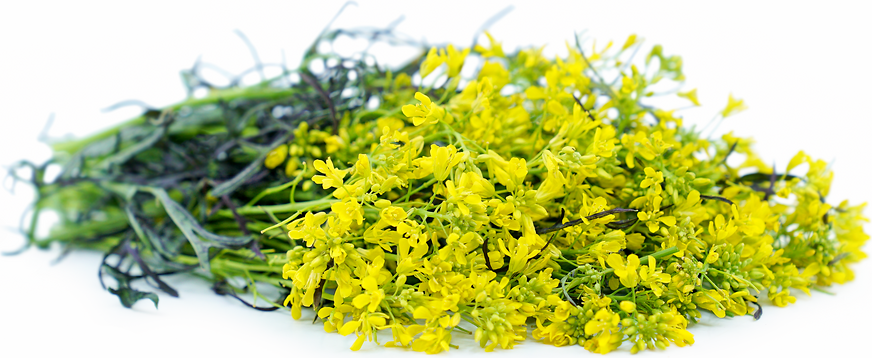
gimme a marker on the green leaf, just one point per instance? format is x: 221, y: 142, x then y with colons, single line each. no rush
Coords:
x: 129, y: 296
x: 229, y: 186
x: 149, y: 237
x: 193, y: 231
x: 129, y: 152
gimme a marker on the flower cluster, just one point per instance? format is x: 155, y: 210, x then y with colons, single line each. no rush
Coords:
x: 537, y: 192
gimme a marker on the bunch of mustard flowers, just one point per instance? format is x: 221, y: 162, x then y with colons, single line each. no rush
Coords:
x: 472, y: 192
x: 536, y: 192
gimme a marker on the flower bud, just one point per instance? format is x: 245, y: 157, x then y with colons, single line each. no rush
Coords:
x: 276, y: 157
x: 698, y: 182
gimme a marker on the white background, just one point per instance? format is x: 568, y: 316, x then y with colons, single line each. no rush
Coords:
x: 802, y: 68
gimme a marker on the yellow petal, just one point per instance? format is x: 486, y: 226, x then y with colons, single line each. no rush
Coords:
x: 358, y: 343
x: 668, y: 220
x: 422, y: 313
x: 369, y: 283
x: 349, y: 328
x: 361, y: 300
x: 615, y: 261
x: 409, y: 110
x: 325, y: 311
x: 423, y: 98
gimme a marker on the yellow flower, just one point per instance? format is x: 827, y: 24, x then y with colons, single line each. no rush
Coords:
x: 631, y: 40
x: 712, y: 300
x: 455, y: 60
x: 625, y: 271
x: 520, y: 255
x: 392, y: 138
x: 334, y: 143
x: 457, y: 247
x: 460, y: 201
x: 635, y: 241
x: 532, y: 57
x: 433, y: 340
x: 433, y: 60
x: 495, y: 50
x: 346, y: 190
x: 413, y: 237
x: 310, y: 230
x: 426, y: 112
x: 363, y: 166
x: 601, y: 250
x: 640, y: 144
x: 556, y: 334
x: 755, y: 214
x: 332, y: 177
x: 444, y: 158
x: 295, y: 299
x: 797, y: 159
x: 782, y: 298
x: 373, y: 296
x: 403, y: 335
x: 733, y: 106
x: 563, y: 310
x: 496, y: 73
x: 653, y: 179
x: 721, y: 229
x: 628, y: 86
x: 604, y: 329
x: 505, y: 215
x: 690, y: 96
x: 392, y: 215
x: 348, y: 210
x: 510, y: 173
x: 653, y: 277
x: 654, y: 217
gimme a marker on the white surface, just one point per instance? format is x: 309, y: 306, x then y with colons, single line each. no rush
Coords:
x: 803, y: 70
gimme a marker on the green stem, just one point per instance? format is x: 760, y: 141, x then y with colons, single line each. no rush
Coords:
x: 226, y: 95
x: 319, y: 204
x: 422, y: 187
x: 219, y: 265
